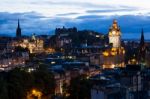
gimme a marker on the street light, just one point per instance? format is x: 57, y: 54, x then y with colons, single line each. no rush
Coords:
x: 34, y: 93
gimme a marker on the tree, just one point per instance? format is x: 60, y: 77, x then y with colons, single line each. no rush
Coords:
x: 79, y: 88
x: 3, y: 87
x: 19, y: 83
x: 44, y: 80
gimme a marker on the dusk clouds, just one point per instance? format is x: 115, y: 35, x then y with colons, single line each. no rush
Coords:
x: 43, y: 16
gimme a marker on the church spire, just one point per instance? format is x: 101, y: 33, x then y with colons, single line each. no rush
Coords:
x: 142, y: 48
x: 18, y: 24
x: 142, y: 42
x: 18, y: 31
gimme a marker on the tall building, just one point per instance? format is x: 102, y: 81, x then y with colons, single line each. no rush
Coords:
x: 114, y: 56
x: 18, y: 31
x: 142, y: 48
x: 115, y: 35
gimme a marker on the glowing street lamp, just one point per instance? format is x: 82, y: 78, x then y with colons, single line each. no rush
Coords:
x: 34, y: 93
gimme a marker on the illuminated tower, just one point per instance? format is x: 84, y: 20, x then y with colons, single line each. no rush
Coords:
x: 18, y: 31
x: 115, y: 35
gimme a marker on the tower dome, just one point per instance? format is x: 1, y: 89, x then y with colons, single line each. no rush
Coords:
x: 114, y: 34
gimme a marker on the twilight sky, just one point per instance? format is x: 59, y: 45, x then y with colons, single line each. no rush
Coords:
x: 43, y: 16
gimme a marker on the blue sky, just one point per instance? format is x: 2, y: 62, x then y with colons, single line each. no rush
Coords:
x: 43, y: 16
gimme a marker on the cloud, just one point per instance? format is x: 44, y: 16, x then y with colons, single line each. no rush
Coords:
x: 32, y: 22
x: 113, y: 10
x: 130, y: 24
x: 67, y: 14
x: 66, y: 3
x: 89, y: 17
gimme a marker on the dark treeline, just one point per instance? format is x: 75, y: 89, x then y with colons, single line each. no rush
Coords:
x: 79, y: 88
x: 18, y: 83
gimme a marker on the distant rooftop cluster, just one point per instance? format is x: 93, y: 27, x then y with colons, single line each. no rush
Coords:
x: 111, y: 66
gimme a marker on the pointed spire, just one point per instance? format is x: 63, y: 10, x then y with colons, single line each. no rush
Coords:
x: 142, y: 37
x: 18, y: 31
x: 18, y: 24
x: 115, y: 24
x: 114, y: 21
x: 142, y: 32
x: 142, y: 48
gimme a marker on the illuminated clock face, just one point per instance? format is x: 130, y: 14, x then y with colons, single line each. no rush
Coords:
x: 113, y: 32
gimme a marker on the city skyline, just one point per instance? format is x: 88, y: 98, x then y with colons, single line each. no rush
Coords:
x: 74, y: 49
x: 42, y: 17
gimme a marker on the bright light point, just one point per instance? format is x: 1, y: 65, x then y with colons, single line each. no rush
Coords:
x: 112, y: 66
x: 53, y: 62
x: 105, y: 53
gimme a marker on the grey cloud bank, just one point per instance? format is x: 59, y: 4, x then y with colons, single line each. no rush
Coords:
x: 32, y: 22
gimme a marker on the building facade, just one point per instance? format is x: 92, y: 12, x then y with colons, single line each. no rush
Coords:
x: 114, y: 56
x: 115, y: 35
x: 35, y: 45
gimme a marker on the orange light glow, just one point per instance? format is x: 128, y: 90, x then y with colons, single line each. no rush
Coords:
x: 35, y: 93
x: 105, y: 53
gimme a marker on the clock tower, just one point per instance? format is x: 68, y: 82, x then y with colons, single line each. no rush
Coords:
x: 115, y: 35
x: 114, y: 56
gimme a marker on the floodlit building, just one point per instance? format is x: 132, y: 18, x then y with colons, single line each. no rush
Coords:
x: 114, y: 56
x: 35, y: 45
